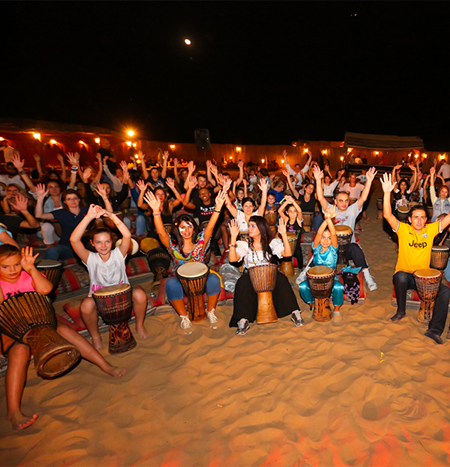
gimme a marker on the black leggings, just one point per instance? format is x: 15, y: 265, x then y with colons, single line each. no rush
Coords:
x: 245, y: 303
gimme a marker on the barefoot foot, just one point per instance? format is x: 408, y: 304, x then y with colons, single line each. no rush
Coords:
x: 97, y: 343
x: 142, y: 332
x: 115, y: 371
x: 19, y: 421
x: 337, y: 318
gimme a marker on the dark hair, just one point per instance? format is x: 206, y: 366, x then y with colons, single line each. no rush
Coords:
x: 66, y: 193
x: 342, y: 192
x: 134, y: 175
x: 264, y: 172
x: 100, y: 230
x: 165, y: 207
x: 404, y: 180
x: 248, y: 199
x: 418, y: 207
x: 54, y: 172
x: 266, y: 235
x: 10, y: 164
x: 8, y: 250
x: 176, y: 233
x: 48, y: 180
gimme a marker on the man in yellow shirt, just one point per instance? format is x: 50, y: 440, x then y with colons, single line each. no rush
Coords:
x: 414, y: 252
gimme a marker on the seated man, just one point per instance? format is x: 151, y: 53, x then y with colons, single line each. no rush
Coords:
x: 414, y: 252
x: 346, y: 215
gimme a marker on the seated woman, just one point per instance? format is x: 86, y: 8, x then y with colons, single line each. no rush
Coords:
x: 188, y: 244
x: 106, y: 267
x: 19, y: 275
x: 441, y: 204
x: 291, y: 212
x: 325, y: 248
x: 260, y: 249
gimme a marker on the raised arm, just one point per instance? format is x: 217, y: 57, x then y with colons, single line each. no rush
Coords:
x: 329, y: 214
x: 220, y: 199
x: 145, y: 173
x: 142, y: 187
x: 74, y: 161
x: 123, y: 229
x: 164, y: 168
x: 212, y: 175
x: 18, y: 164
x: 40, y: 283
x: 175, y: 170
x: 263, y: 186
x: 241, y: 174
x: 187, y: 197
x: 290, y: 184
x: 433, y: 196
x: 101, y: 190
x: 191, y: 170
x: 21, y: 205
x: 231, y: 207
x: 155, y: 206
x: 37, y: 158
x: 60, y: 158
x: 318, y: 175
x: 365, y: 194
x: 75, y: 238
x: 171, y: 184
x: 414, y: 182
x: 39, y: 211
x: 282, y: 232
x: 388, y: 186
x: 234, y: 232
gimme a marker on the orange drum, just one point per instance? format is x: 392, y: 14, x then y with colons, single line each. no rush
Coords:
x: 427, y: 283
x: 321, y: 282
x: 264, y: 278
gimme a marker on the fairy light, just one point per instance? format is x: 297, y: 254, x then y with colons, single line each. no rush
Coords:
x: 97, y: 140
x: 82, y: 142
x: 130, y: 133
x: 172, y: 146
x: 134, y: 145
x: 37, y: 136
x: 342, y: 158
x: 238, y: 149
x: 262, y: 160
x: 282, y: 161
x: 53, y: 141
x: 129, y: 143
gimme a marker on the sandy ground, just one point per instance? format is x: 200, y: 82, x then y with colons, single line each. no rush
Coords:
x: 365, y: 392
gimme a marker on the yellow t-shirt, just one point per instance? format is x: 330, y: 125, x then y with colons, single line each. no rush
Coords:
x: 414, y: 249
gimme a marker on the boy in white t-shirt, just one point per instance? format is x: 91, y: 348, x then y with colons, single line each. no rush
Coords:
x: 106, y: 267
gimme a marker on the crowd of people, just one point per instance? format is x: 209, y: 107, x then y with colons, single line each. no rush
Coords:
x: 247, y: 220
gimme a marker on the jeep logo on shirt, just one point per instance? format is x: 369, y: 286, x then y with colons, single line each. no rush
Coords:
x: 418, y: 245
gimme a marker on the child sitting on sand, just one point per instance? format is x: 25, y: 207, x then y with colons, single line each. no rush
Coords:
x: 19, y: 275
x: 106, y: 267
x: 325, y: 248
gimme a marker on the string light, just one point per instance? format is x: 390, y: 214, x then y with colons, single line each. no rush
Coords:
x: 53, y: 141
x: 97, y: 140
x: 342, y: 158
x: 82, y: 142
x: 134, y: 145
x: 282, y: 161
x: 238, y: 149
x: 37, y: 136
x: 172, y: 146
x: 130, y: 133
x: 129, y: 144
x: 262, y: 160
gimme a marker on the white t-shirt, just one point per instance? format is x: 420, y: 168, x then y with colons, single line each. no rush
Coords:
x: 256, y: 258
x: 328, y: 190
x: 348, y: 217
x: 9, y: 180
x: 355, y: 191
x: 8, y: 152
x: 241, y: 222
x: 445, y: 170
x: 106, y: 273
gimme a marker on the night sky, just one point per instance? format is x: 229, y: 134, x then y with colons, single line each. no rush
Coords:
x: 256, y: 72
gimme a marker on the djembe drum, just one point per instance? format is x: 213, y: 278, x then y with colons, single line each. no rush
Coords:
x: 114, y: 305
x: 403, y: 213
x: 307, y: 221
x: 159, y: 262
x: 439, y: 257
x: 29, y: 318
x: 380, y: 207
x: 321, y: 281
x: 263, y: 279
x: 243, y: 236
x: 286, y: 266
x: 168, y: 228
x: 193, y: 277
x: 53, y: 271
x: 344, y: 235
x: 132, y: 249
x: 271, y: 218
x: 427, y: 284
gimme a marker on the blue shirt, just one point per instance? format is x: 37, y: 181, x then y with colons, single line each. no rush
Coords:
x: 327, y: 258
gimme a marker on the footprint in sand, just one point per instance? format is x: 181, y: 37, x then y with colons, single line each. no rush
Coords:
x: 409, y: 408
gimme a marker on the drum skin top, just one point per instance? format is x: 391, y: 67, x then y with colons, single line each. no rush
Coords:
x: 112, y: 290
x: 343, y: 230
x: 427, y: 272
x: 320, y: 271
x: 291, y: 235
x: 403, y: 209
x: 308, y: 213
x: 440, y: 248
x: 134, y: 246
x: 192, y: 269
x: 48, y: 264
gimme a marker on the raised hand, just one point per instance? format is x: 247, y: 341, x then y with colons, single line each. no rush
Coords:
x: 432, y: 171
x: 175, y: 162
x: 289, y: 199
x: 142, y: 186
x: 386, y: 183
x: 318, y: 174
x: 153, y: 202
x: 245, y: 181
x: 86, y: 174
x: 18, y: 164
x: 191, y: 167
x: 170, y: 183
x: 41, y: 192
x: 166, y: 155
x: 240, y: 164
x: 93, y: 211
x: 412, y: 167
x: 208, y: 163
x: 263, y: 185
x: 21, y: 203
x: 226, y: 185
x: 234, y: 228
x: 73, y: 158
x: 101, y: 190
x: 60, y: 158
x: 27, y: 260
x: 37, y: 157
x: 124, y: 166
x: 282, y: 226
x: 98, y: 156
x: 285, y: 173
x: 213, y: 169
x: 220, y: 199
x: 192, y: 182
x: 284, y: 154
x: 370, y: 175
x: 330, y: 212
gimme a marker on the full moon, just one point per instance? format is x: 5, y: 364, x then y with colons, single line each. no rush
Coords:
x: 187, y: 42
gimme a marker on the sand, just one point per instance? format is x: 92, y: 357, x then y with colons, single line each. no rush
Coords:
x: 364, y: 392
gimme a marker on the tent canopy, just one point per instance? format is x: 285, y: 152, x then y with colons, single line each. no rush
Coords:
x: 382, y: 142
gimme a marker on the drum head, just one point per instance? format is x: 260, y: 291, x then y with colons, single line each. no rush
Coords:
x: 440, y: 248
x: 318, y: 271
x: 48, y: 264
x: 148, y: 244
x: 192, y: 269
x: 403, y: 209
x: 427, y: 272
x: 112, y: 290
x: 343, y: 230
x: 133, y: 249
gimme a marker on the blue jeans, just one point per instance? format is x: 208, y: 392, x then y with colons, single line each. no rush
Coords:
x: 141, y: 225
x: 59, y: 252
x: 337, y: 294
x: 174, y: 290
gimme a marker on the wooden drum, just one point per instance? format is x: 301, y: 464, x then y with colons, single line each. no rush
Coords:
x: 321, y: 281
x: 427, y: 283
x: 114, y: 305
x: 439, y: 257
x: 380, y: 207
x: 403, y: 213
x: 307, y: 221
x: 271, y: 217
x: 159, y: 262
x: 286, y: 266
x: 53, y: 271
x: 193, y: 277
x: 264, y: 279
x: 344, y: 237
x: 29, y: 318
